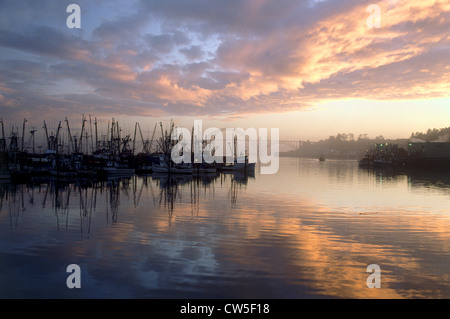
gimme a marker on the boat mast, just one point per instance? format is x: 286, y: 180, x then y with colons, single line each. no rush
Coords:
x: 46, y: 136
x: 71, y: 145
x: 3, y: 140
x: 118, y: 137
x: 151, y: 141
x: 83, y: 120
x: 23, y: 133
x: 33, y: 130
x: 144, y: 144
x: 92, y: 135
x: 87, y: 143
x: 96, y: 134
x: 163, y: 139
x: 111, y: 147
x: 57, y: 136
x: 134, y: 138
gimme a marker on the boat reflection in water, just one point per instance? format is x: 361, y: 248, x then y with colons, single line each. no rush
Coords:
x: 436, y: 179
x: 310, y: 230
x: 172, y: 186
x: 63, y: 197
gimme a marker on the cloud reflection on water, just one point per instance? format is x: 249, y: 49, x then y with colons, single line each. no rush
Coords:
x: 226, y: 237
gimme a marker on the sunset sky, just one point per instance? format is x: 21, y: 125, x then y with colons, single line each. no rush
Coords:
x: 312, y: 68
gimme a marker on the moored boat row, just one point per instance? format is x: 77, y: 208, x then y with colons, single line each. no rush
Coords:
x: 419, y: 155
x: 167, y: 166
x: 112, y: 155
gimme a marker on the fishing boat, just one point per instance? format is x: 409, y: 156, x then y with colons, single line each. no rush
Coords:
x: 115, y: 168
x: 161, y: 167
x: 366, y: 161
x: 63, y: 166
x: 165, y: 167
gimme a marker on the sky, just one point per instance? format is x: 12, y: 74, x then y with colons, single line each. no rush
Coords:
x: 312, y: 68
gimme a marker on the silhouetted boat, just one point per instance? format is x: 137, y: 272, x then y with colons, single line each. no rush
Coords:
x: 164, y: 167
x: 115, y: 168
x: 382, y: 162
x: 366, y: 161
x: 239, y: 165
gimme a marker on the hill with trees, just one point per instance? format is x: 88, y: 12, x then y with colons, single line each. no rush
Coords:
x: 348, y: 146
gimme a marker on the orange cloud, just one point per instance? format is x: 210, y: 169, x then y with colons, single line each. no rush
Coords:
x: 251, y: 58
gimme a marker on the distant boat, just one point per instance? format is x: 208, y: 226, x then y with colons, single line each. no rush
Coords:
x: 382, y: 162
x: 366, y: 162
x: 322, y: 159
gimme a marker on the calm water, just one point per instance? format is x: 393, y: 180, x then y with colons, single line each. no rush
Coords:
x: 309, y: 231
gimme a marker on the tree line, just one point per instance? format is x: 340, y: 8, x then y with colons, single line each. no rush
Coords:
x: 433, y: 135
x: 350, y: 146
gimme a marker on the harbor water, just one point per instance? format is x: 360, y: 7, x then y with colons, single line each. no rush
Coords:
x: 309, y: 231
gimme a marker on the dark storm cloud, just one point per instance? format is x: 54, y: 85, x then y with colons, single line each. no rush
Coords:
x: 44, y: 41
